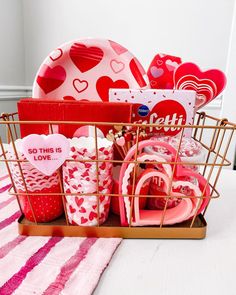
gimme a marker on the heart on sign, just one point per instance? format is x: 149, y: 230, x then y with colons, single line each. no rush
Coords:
x: 80, y: 85
x: 208, y: 85
x: 46, y: 152
x: 85, y: 58
x: 117, y: 66
x: 50, y: 79
x: 104, y: 83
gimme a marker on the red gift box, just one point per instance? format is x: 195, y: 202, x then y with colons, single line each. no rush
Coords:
x: 83, y: 111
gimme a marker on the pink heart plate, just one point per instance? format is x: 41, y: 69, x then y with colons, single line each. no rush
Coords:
x: 87, y: 69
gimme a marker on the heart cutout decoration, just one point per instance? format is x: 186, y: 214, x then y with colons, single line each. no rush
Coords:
x: 180, y: 175
x: 208, y: 85
x: 46, y: 152
x: 174, y: 215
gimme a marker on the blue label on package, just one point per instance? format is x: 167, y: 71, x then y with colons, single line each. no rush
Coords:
x: 143, y: 111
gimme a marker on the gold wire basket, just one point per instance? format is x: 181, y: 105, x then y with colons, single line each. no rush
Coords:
x: 213, y: 134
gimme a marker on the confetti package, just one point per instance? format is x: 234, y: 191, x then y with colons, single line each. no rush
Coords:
x: 169, y: 107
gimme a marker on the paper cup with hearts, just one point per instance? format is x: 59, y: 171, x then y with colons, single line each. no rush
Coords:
x: 37, y: 179
x: 81, y: 178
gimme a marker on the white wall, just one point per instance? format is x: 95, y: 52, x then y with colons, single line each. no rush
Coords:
x: 12, y: 63
x: 197, y: 30
x: 229, y: 103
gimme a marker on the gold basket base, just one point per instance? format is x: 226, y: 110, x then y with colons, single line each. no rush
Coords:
x: 112, y: 229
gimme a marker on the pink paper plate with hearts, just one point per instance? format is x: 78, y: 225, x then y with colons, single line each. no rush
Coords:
x: 87, y: 69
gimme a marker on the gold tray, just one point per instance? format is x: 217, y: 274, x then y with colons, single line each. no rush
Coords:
x: 111, y: 228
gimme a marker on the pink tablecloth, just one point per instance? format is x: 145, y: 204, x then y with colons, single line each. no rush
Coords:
x: 47, y: 265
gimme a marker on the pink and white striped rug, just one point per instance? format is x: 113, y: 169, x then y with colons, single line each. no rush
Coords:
x: 47, y: 265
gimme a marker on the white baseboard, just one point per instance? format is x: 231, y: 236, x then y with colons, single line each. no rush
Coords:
x: 14, y: 92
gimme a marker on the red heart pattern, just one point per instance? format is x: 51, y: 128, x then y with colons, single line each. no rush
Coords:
x: 79, y: 201
x: 82, y: 210
x: 105, y: 83
x: 83, y: 220
x: 80, y: 85
x: 208, y: 85
x: 50, y: 79
x: 92, y: 215
x: 85, y: 58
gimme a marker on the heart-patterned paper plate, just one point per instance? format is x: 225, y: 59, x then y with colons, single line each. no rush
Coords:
x: 86, y: 69
x: 208, y: 85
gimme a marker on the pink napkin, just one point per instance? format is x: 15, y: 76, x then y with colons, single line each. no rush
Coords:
x: 47, y: 265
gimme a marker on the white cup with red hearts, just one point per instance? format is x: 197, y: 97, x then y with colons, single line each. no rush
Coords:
x: 81, y: 178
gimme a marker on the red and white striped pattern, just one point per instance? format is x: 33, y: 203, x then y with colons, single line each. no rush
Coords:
x: 47, y: 265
